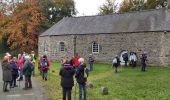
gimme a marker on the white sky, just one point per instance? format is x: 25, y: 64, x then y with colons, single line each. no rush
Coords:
x: 89, y: 7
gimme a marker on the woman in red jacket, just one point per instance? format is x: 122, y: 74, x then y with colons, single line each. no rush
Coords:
x: 75, y: 60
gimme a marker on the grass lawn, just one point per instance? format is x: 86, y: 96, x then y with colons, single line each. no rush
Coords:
x: 128, y: 84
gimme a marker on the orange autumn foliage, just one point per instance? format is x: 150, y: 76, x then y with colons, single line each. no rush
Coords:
x: 23, y: 25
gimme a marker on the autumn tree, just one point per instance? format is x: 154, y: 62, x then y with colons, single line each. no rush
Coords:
x: 21, y: 21
x: 108, y: 8
x: 23, y: 25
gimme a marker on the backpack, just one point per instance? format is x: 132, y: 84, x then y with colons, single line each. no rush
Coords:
x: 44, y: 64
x: 114, y: 61
x: 32, y: 66
x: 86, y: 74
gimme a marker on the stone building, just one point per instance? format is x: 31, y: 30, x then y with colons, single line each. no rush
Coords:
x: 109, y: 35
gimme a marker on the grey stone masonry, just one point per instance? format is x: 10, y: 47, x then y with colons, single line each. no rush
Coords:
x: 156, y: 44
x: 147, y: 31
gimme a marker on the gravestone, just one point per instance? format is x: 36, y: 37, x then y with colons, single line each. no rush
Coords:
x: 104, y: 91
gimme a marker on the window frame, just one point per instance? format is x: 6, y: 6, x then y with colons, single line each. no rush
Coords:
x: 97, y: 48
x: 61, y: 46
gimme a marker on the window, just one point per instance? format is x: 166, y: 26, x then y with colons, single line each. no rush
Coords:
x: 62, y: 46
x: 95, y: 47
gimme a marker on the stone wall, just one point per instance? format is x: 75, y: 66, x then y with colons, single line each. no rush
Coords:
x: 53, y: 48
x: 156, y: 44
x: 113, y: 44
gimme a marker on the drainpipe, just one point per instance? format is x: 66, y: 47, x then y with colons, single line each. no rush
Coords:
x: 74, y: 43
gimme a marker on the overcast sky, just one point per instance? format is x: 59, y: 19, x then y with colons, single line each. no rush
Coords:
x: 89, y: 7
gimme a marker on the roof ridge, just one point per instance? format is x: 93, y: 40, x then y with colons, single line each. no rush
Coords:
x: 120, y: 13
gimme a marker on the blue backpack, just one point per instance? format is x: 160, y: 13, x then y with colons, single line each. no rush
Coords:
x: 44, y: 63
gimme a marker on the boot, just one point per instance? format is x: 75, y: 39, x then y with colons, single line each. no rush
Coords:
x: 26, y: 86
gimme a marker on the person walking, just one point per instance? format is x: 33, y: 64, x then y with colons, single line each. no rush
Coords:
x: 6, y: 73
x: 91, y: 61
x: 27, y: 71
x: 81, y: 77
x: 67, y: 81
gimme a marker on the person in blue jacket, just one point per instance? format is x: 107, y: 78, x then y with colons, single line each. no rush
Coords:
x: 14, y: 71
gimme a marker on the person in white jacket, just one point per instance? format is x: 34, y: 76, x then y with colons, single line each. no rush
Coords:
x: 116, y: 63
x: 133, y: 59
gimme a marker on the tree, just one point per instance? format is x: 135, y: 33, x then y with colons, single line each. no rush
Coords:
x: 108, y: 8
x: 132, y: 5
x: 155, y: 4
x: 55, y: 10
x: 137, y: 5
x: 21, y: 21
x: 23, y: 25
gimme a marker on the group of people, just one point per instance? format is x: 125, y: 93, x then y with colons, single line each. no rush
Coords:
x: 132, y: 59
x: 76, y: 66
x: 13, y: 68
x: 24, y: 66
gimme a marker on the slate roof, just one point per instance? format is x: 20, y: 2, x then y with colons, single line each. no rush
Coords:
x: 143, y: 21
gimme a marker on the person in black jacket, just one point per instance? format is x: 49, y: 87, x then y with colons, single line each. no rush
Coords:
x: 125, y: 58
x: 81, y: 78
x: 143, y: 61
x: 67, y: 82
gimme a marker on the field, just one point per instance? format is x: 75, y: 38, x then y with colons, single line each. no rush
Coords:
x: 127, y: 84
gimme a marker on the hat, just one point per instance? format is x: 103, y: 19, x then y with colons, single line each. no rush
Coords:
x: 7, y: 54
x: 81, y: 60
x: 27, y: 57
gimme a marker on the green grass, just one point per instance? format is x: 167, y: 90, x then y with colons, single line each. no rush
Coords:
x: 128, y: 84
